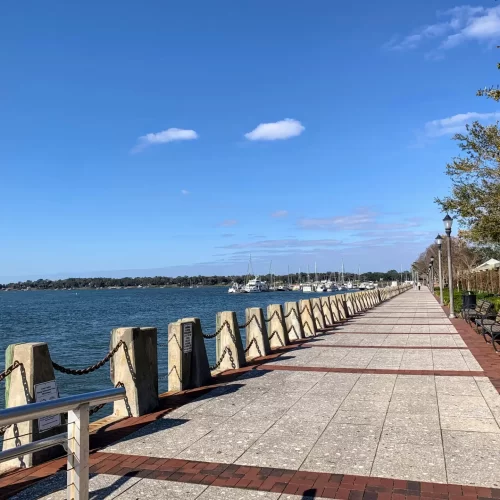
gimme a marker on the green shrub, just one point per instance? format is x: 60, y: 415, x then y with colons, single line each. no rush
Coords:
x: 457, y: 297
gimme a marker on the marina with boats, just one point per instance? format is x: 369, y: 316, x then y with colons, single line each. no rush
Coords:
x: 333, y: 283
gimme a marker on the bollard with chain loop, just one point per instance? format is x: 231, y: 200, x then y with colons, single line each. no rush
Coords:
x: 91, y: 368
x: 227, y: 350
x: 9, y: 370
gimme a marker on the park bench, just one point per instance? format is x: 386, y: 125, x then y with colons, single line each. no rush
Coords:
x: 482, y: 309
x: 491, y: 331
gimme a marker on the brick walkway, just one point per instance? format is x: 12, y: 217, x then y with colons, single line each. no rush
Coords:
x: 398, y: 402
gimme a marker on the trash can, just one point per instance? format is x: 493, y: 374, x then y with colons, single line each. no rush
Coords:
x: 468, y: 300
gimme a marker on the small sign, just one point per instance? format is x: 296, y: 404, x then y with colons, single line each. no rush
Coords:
x: 187, y: 337
x: 47, y: 391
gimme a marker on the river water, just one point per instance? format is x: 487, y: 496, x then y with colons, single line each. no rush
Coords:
x: 77, y: 323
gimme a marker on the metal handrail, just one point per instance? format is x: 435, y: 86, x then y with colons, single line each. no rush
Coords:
x: 32, y: 411
x: 75, y: 441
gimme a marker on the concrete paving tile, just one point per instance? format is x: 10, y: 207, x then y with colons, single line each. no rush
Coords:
x: 335, y: 384
x: 396, y: 340
x: 470, y: 360
x: 220, y: 446
x: 463, y: 406
x: 472, y: 424
x: 459, y: 341
x: 298, y: 425
x: 406, y: 419
x: 457, y: 386
x: 472, y: 457
x: 220, y: 493
x: 100, y: 486
x: 364, y: 405
x: 358, y: 418
x: 280, y: 451
x: 407, y: 403
x: 347, y: 449
x: 155, y: 488
x: 321, y: 407
x: 409, y: 434
x: 442, y: 340
x: 409, y: 461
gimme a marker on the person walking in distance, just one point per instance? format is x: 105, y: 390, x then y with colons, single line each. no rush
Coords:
x: 418, y: 285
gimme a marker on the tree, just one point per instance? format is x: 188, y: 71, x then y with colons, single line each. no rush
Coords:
x: 475, y: 196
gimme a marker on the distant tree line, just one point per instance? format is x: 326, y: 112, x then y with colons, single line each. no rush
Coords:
x: 186, y: 281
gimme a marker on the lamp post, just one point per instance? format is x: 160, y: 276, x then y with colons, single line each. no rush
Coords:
x: 439, y: 242
x: 448, y: 222
x: 432, y: 274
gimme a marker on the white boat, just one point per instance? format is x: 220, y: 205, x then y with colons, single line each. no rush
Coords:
x: 307, y: 287
x: 235, y: 288
x: 321, y: 287
x: 256, y: 286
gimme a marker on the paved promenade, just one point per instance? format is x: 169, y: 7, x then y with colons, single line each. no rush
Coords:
x: 397, y: 402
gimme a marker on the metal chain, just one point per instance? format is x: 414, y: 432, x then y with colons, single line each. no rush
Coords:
x: 292, y: 310
x: 213, y: 335
x: 9, y: 370
x: 254, y: 341
x: 275, y: 313
x: 3, y: 430
x: 294, y: 331
x: 224, y: 352
x: 92, y: 368
x: 277, y: 335
x: 95, y: 409
x: 249, y: 321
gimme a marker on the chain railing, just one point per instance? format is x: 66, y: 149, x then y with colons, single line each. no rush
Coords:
x: 249, y: 321
x: 91, y: 368
x: 253, y: 342
x: 226, y: 351
x: 275, y: 333
x: 97, y: 408
x: 292, y: 310
x: 275, y: 313
x: 3, y: 376
x: 297, y: 336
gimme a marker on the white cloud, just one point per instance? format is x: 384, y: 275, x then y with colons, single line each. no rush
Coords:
x: 286, y: 243
x: 228, y: 223
x: 456, y: 123
x: 459, y: 25
x: 283, y: 129
x: 169, y: 135
x: 280, y: 213
x: 357, y: 220
x: 185, y: 192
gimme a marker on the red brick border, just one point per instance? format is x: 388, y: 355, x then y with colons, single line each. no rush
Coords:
x: 373, y: 371
x: 320, y: 484
x: 337, y: 346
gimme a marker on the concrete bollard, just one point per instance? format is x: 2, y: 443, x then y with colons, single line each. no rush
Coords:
x: 349, y: 304
x: 355, y: 302
x: 276, y: 328
x: 334, y: 308
x: 135, y: 365
x: 342, y: 307
x: 317, y: 311
x: 229, y: 339
x: 307, y: 318
x: 327, y: 312
x: 187, y: 356
x: 257, y: 341
x: 293, y: 323
x: 33, y: 380
x: 363, y: 300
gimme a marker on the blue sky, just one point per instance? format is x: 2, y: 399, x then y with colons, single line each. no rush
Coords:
x: 180, y: 137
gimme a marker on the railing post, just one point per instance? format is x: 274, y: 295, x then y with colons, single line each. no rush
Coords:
x: 78, y: 453
x: 35, y: 368
x: 135, y: 365
x: 341, y: 306
x: 349, y: 304
x: 292, y: 321
x: 257, y: 341
x: 276, y: 329
x: 317, y: 312
x: 334, y: 308
x: 307, y: 318
x: 327, y: 312
x: 187, y: 356
x: 229, y: 338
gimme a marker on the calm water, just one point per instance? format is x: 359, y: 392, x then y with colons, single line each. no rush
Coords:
x: 77, y: 324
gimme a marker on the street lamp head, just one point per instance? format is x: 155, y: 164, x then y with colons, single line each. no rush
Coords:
x: 432, y: 261
x: 439, y: 240
x: 448, y: 222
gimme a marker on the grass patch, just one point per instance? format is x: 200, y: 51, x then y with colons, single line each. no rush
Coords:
x: 457, y: 298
